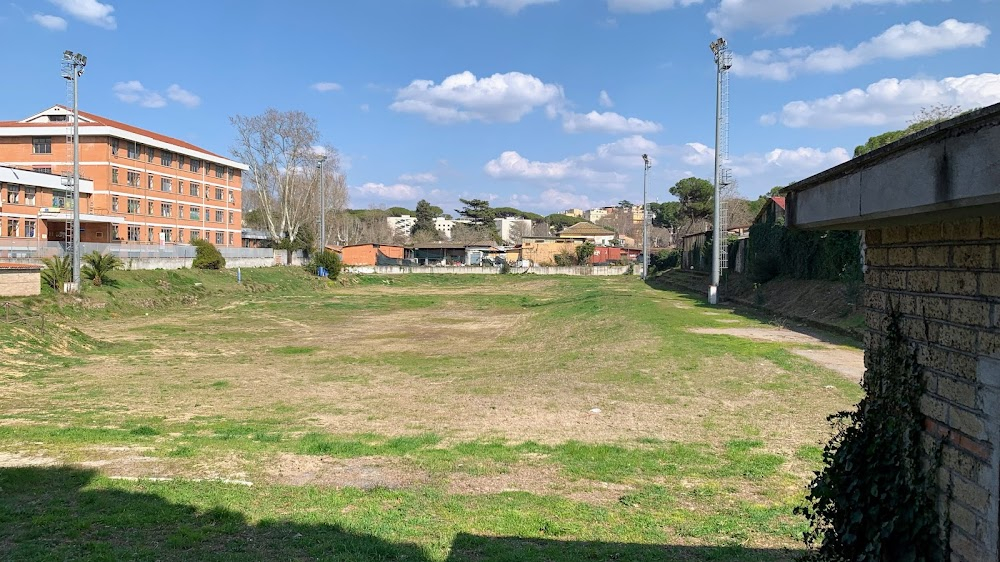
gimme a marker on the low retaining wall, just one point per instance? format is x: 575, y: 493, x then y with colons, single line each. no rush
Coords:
x: 186, y: 263
x: 600, y: 270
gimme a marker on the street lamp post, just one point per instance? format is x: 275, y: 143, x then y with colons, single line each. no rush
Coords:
x: 322, y: 203
x: 72, y: 69
x: 645, y: 217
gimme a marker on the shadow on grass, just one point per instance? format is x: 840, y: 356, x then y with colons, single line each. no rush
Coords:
x: 48, y: 513
x: 827, y: 334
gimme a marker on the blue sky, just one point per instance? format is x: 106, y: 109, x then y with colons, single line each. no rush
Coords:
x: 540, y: 104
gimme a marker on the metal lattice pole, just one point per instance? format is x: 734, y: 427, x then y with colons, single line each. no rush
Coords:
x: 645, y: 215
x: 723, y: 61
x: 73, y: 65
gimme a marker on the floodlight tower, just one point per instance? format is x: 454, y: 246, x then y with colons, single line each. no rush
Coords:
x: 645, y: 216
x: 723, y: 62
x: 72, y: 69
x: 322, y: 203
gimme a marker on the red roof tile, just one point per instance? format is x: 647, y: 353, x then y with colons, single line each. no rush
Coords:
x: 779, y: 201
x: 19, y: 266
x: 99, y: 121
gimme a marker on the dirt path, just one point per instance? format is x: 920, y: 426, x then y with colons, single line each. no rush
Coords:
x: 847, y: 361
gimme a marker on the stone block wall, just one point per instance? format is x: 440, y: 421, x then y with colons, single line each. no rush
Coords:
x: 943, y: 279
x: 20, y: 283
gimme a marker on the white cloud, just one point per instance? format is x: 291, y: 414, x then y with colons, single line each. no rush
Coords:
x: 776, y: 15
x: 605, y: 167
x: 182, y: 96
x: 327, y: 87
x: 890, y: 101
x: 605, y: 100
x: 134, y: 92
x: 394, y: 192
x: 608, y: 122
x: 89, y: 11
x: 420, y: 178
x: 647, y: 6
x: 898, y: 42
x: 698, y: 154
x: 463, y: 97
x: 781, y: 166
x: 509, y: 6
x: 365, y: 107
x: 53, y: 23
x: 552, y: 199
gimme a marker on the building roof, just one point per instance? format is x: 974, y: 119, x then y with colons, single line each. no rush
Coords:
x: 88, y: 119
x: 779, y: 201
x: 19, y: 266
x: 583, y: 229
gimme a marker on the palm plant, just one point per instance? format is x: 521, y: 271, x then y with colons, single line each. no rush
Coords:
x: 58, y: 270
x: 98, y: 266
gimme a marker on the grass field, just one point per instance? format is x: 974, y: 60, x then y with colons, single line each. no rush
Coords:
x: 180, y: 416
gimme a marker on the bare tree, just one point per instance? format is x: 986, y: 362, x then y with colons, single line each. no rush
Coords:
x: 517, y: 232
x: 540, y: 228
x: 739, y: 212
x: 280, y: 148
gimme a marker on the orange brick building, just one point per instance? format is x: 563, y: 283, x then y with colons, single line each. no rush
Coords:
x: 147, y: 188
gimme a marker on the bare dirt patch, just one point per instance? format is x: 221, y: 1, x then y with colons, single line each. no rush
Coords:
x: 844, y: 360
x: 17, y: 460
x: 541, y: 480
x: 360, y: 472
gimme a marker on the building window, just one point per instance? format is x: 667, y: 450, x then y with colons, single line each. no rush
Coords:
x: 196, y: 213
x: 42, y: 170
x: 114, y: 203
x: 41, y: 145
x: 180, y: 211
x: 114, y: 147
x: 13, y: 227
x: 180, y: 234
x: 133, y: 234
x: 133, y: 206
x: 149, y: 153
x: 165, y: 184
x: 232, y: 200
x: 166, y: 158
x: 13, y: 194
x: 166, y: 209
x: 59, y: 201
x: 218, y: 238
x: 219, y: 216
x: 230, y: 238
x: 133, y: 179
x: 180, y: 187
x: 195, y: 189
x: 168, y: 234
x: 114, y: 175
x: 29, y: 228
x: 29, y: 196
x: 231, y: 217
x: 180, y: 166
x: 149, y: 181
x: 149, y: 234
x: 134, y: 149
x: 230, y: 172
x: 218, y: 171
x: 195, y: 234
x: 149, y: 209
x: 218, y: 194
x: 114, y: 234
x: 195, y: 165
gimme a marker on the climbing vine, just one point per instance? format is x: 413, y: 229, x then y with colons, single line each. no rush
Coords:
x: 873, y: 499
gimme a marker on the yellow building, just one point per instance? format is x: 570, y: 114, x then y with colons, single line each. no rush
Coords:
x: 542, y: 250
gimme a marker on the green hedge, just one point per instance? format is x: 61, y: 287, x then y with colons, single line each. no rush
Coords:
x: 775, y: 250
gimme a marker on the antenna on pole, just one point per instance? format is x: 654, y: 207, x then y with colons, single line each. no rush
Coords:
x: 723, y: 176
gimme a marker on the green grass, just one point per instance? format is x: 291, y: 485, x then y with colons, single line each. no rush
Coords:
x: 456, y: 409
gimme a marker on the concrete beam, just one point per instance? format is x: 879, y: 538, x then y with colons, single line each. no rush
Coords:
x: 947, y: 171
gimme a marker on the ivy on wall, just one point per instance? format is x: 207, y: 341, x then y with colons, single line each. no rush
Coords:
x: 873, y: 500
x: 775, y: 250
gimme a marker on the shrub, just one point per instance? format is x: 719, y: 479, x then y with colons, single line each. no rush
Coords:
x: 325, y: 259
x: 207, y: 256
x: 664, y: 260
x: 98, y: 265
x: 58, y: 271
